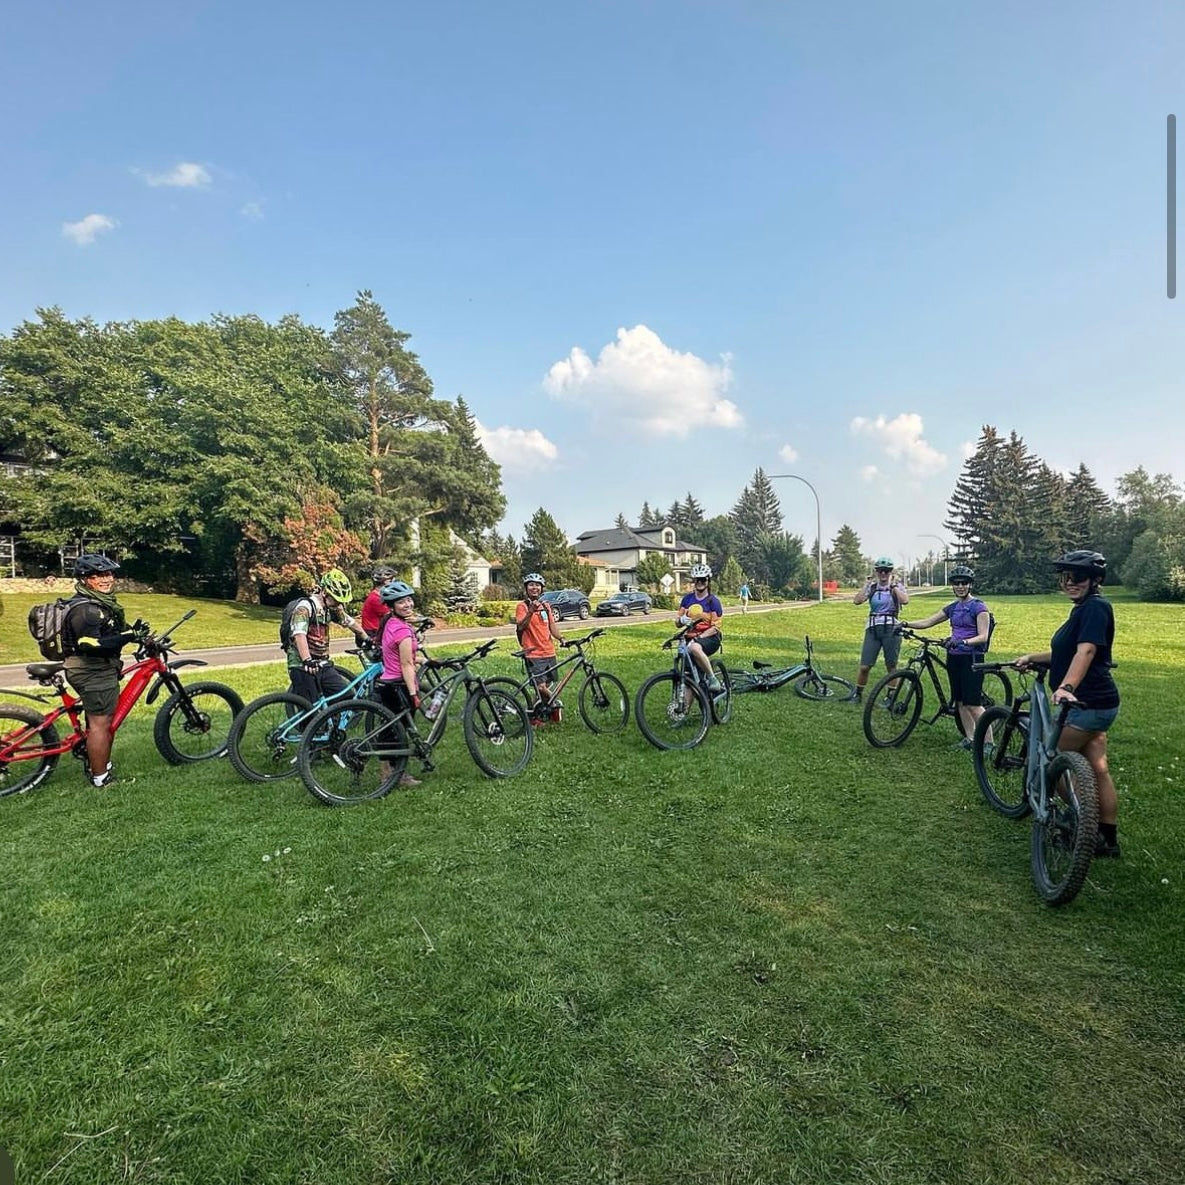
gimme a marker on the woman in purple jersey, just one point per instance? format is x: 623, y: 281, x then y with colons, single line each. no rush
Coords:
x: 885, y: 596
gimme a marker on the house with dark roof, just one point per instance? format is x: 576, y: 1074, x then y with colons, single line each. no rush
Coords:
x: 614, y: 554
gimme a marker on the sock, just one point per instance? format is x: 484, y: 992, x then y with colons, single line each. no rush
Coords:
x: 1108, y: 832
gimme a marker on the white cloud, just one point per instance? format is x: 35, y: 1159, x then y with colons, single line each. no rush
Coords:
x: 901, y: 438
x: 252, y: 210
x: 788, y: 453
x: 183, y: 175
x: 869, y: 473
x: 641, y: 379
x: 518, y: 450
x: 84, y: 231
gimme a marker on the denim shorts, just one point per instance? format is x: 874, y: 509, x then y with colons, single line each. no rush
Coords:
x: 1091, y: 719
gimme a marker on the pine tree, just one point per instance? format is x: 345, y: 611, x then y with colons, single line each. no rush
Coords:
x: 622, y: 524
x: 849, y: 567
x: 692, y: 512
x: 1085, y: 505
x: 545, y: 549
x: 756, y: 513
x: 648, y: 520
x: 674, y: 516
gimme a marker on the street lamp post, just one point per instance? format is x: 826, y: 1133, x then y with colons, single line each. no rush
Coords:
x: 945, y: 551
x: 818, y: 523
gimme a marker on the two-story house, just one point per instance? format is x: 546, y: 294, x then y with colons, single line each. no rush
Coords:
x: 614, y: 555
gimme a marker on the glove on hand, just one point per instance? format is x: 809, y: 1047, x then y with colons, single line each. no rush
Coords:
x: 684, y: 619
x: 311, y: 665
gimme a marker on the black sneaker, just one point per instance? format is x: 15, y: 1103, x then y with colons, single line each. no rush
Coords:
x: 1105, y: 849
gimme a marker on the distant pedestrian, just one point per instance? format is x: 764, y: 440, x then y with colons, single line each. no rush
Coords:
x: 745, y: 597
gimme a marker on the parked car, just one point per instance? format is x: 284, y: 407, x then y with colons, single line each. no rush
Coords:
x: 621, y: 603
x: 567, y: 602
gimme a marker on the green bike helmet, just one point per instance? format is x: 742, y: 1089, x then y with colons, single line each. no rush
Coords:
x: 336, y: 584
x: 884, y: 562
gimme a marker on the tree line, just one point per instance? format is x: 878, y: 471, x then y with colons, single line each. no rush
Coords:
x: 233, y: 456
x: 1012, y: 513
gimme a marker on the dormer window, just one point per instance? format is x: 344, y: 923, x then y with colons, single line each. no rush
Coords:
x: 668, y: 537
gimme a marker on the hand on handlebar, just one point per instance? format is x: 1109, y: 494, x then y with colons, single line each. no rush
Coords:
x: 311, y: 666
x: 683, y: 619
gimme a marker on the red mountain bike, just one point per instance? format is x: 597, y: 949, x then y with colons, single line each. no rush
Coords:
x: 192, y: 724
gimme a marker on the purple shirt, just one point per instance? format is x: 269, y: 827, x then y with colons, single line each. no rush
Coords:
x: 963, y: 616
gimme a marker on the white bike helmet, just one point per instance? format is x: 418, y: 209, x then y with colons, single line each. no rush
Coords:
x: 701, y: 572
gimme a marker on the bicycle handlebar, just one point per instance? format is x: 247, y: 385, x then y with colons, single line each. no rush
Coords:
x: 569, y: 642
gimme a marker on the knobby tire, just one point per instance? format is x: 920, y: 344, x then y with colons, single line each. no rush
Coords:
x: 1001, y: 773
x: 661, y: 717
x: 604, y: 703
x: 181, y: 742
x: 263, y: 742
x: 1063, y: 846
x: 498, y: 732
x: 21, y: 773
x: 892, y: 708
x: 353, y: 751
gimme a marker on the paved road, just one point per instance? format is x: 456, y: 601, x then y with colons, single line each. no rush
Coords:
x: 241, y: 656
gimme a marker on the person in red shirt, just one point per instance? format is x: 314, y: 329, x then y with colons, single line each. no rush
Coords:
x: 373, y: 609
x: 534, y: 621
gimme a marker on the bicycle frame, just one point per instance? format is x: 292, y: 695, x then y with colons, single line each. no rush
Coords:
x: 138, y: 677
x: 575, y: 662
x: 925, y: 659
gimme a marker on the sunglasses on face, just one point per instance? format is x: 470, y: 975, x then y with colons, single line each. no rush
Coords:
x: 1079, y: 577
x: 883, y: 571
x: 960, y: 584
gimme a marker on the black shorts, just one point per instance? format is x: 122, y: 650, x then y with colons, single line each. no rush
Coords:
x: 394, y: 695
x: 708, y: 645
x: 327, y: 682
x: 96, y: 681
x: 966, y: 685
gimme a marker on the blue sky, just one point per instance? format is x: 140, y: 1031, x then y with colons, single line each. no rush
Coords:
x: 654, y: 244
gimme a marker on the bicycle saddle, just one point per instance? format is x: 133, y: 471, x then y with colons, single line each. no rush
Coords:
x: 761, y: 666
x: 43, y: 671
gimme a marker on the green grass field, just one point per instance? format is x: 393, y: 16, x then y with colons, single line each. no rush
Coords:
x: 783, y: 957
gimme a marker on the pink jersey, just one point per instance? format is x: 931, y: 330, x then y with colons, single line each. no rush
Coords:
x: 394, y: 632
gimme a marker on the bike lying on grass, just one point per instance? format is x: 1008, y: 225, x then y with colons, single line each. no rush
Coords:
x: 603, y: 701
x: 674, y: 708
x: 357, y: 749
x: 805, y: 678
x: 266, y: 734
x: 192, y: 725
x: 893, y: 707
x: 1021, y: 771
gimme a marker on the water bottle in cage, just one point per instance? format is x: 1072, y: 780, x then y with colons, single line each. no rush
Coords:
x: 435, y: 704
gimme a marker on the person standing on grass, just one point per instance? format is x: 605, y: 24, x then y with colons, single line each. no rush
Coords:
x: 534, y: 622
x: 310, y: 672
x: 94, y: 631
x: 745, y: 597
x: 885, y: 597
x: 399, y: 684
x: 970, y: 630
x: 1079, y: 658
x: 703, y: 636
x: 373, y: 609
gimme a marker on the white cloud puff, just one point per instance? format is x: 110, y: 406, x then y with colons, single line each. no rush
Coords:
x: 640, y: 378
x: 518, y: 450
x: 252, y: 210
x: 183, y: 175
x: 788, y: 453
x: 902, y: 440
x: 869, y: 473
x: 85, y: 230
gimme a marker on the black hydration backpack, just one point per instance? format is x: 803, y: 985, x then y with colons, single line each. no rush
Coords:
x: 286, y: 619
x: 45, y: 624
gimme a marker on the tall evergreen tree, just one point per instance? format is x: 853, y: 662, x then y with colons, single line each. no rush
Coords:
x: 647, y: 519
x: 545, y: 549
x: 756, y: 513
x: 622, y: 523
x: 1085, y: 504
x: 846, y: 556
x: 692, y: 513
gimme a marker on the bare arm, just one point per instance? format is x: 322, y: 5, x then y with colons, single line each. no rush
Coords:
x: 1079, y: 665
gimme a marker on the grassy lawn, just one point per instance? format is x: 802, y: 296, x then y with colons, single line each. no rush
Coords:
x: 783, y: 957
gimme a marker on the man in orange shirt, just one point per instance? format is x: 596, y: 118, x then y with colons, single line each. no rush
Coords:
x: 534, y: 620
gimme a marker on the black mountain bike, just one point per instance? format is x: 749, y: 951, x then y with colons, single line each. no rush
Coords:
x: 674, y: 708
x: 894, y: 706
x: 603, y: 700
x: 806, y: 679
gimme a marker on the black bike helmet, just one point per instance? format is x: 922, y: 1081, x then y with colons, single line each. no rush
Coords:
x: 382, y: 574
x: 961, y: 572
x: 93, y: 565
x: 1083, y: 560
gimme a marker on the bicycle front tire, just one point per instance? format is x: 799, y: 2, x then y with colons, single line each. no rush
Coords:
x: 498, y: 732
x: 604, y: 703
x: 264, y: 741
x: 194, y: 723
x: 1062, y: 846
x: 663, y: 718
x: 721, y: 700
x: 352, y: 751
x: 28, y: 766
x: 816, y: 686
x: 1001, y: 774
x: 892, y: 708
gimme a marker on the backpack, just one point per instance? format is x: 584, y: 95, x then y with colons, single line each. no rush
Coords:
x: 45, y: 624
x: 286, y: 619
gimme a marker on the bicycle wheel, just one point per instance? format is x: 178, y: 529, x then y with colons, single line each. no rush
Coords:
x: 1062, y: 846
x: 721, y: 700
x: 263, y: 738
x: 817, y: 686
x: 26, y: 765
x: 892, y: 708
x: 497, y: 731
x: 672, y: 713
x: 997, y: 690
x: 523, y: 692
x: 1001, y: 772
x: 352, y: 751
x: 194, y: 723
x: 604, y: 703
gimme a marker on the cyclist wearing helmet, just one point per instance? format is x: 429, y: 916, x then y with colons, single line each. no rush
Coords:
x: 1079, y: 655
x: 885, y: 596
x: 373, y: 609
x: 970, y: 627
x: 534, y: 622
x: 309, y: 669
x: 93, y: 633
x: 399, y: 684
x: 703, y: 638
